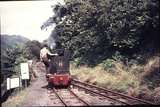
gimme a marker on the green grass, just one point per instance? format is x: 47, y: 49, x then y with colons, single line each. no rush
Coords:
x: 15, y: 100
x: 135, y: 80
x: 120, y: 81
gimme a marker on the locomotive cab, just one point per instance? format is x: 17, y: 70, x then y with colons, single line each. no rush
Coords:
x: 59, y: 69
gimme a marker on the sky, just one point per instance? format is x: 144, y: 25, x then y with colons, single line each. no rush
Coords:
x: 26, y: 17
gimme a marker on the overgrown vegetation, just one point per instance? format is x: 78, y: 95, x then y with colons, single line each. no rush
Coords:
x: 141, y: 81
x: 15, y: 100
x: 100, y: 28
x: 15, y: 50
x: 12, y: 53
x: 120, y: 80
x: 32, y: 49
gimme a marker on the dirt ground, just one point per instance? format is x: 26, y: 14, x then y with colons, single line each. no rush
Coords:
x: 37, y: 93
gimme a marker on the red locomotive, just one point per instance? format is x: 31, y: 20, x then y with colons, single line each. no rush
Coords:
x: 59, y: 69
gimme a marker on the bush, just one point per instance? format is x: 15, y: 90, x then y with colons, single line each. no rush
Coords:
x: 119, y: 81
x: 151, y: 74
x: 108, y: 64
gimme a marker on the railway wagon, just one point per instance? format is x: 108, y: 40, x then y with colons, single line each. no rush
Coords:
x: 59, y: 73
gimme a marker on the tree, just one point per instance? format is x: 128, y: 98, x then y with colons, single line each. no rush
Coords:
x: 98, y: 28
x: 11, y: 54
x: 32, y: 49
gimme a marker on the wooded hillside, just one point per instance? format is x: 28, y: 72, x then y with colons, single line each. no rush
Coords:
x: 15, y: 50
x: 103, y: 28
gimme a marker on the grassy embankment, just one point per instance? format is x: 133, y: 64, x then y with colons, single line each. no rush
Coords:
x: 15, y: 100
x: 124, y: 79
x: 121, y: 80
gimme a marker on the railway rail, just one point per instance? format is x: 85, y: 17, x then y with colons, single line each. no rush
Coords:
x: 68, y: 97
x: 114, y: 96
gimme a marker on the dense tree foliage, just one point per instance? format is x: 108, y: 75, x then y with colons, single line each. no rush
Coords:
x: 98, y: 28
x: 11, y: 54
x: 16, y: 50
x: 32, y: 49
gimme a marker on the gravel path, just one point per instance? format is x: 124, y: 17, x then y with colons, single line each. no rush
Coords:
x: 37, y: 94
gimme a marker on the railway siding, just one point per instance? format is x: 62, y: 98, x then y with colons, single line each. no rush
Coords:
x: 118, y: 97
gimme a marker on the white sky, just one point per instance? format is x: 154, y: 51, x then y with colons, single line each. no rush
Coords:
x: 26, y: 17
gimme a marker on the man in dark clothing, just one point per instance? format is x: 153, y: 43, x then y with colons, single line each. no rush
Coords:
x: 44, y: 53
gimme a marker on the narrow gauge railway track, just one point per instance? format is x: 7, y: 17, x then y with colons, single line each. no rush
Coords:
x: 114, y: 96
x: 68, y: 97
